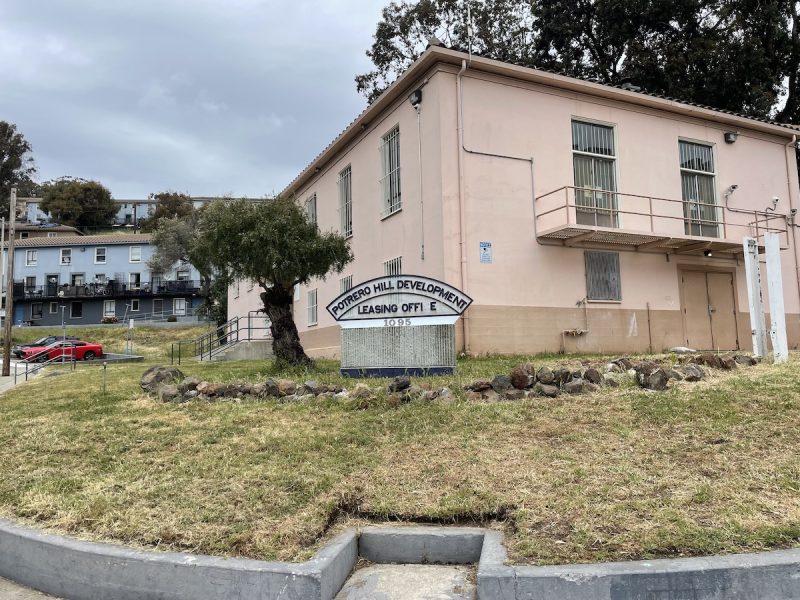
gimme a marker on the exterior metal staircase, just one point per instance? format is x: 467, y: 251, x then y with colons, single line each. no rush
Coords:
x: 226, y: 336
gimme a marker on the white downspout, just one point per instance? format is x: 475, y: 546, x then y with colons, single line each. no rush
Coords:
x: 792, y: 220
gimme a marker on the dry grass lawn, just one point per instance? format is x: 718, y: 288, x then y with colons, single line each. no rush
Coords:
x: 620, y: 474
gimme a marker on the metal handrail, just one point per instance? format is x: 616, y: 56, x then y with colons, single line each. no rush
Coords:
x: 752, y: 226
x: 31, y: 368
x: 226, y: 335
x: 111, y: 289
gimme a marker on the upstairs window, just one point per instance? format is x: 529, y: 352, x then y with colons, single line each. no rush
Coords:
x: 99, y: 256
x: 311, y: 209
x: 66, y: 256
x: 594, y: 166
x: 390, y: 181
x: 698, y: 189
x: 31, y: 258
x: 393, y: 267
x: 346, y: 201
x: 135, y: 254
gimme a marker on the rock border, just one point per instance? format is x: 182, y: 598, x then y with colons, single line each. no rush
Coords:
x: 77, y: 570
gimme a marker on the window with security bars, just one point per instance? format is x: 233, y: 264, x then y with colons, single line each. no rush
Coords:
x: 698, y: 189
x: 393, y: 266
x: 594, y: 165
x: 312, y: 307
x: 390, y: 157
x: 602, y: 276
x: 346, y: 201
x: 345, y: 283
x: 311, y: 209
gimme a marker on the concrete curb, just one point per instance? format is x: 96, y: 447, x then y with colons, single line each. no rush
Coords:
x: 78, y: 570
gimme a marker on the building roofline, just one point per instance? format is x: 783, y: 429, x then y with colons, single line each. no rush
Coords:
x: 434, y: 55
x: 85, y: 240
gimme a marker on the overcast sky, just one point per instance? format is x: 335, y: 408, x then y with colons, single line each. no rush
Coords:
x: 208, y: 97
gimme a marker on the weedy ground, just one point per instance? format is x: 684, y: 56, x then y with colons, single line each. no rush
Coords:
x: 619, y: 474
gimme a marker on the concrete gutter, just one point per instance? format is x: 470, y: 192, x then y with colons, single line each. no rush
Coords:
x: 78, y: 570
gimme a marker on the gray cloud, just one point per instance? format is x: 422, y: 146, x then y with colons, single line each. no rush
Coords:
x: 203, y: 96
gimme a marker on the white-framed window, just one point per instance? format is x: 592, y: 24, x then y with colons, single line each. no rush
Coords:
x: 52, y: 234
x: 101, y: 279
x: 390, y: 180
x: 23, y: 235
x: 135, y: 305
x: 30, y: 283
x: 312, y: 307
x: 182, y: 275
x: 31, y: 258
x: 66, y: 256
x: 109, y: 308
x: 594, y: 165
x: 393, y: 266
x: 135, y: 254
x: 345, y: 283
x: 345, y: 186
x: 134, y: 280
x: 76, y: 310
x: 179, y: 307
x: 53, y: 308
x: 296, y: 297
x: 237, y: 288
x: 311, y: 208
x: 603, y: 276
x: 698, y: 188
x: 100, y: 256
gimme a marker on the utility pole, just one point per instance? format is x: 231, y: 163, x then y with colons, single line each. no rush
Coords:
x: 9, y: 320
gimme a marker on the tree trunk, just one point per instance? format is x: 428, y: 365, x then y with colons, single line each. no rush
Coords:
x: 285, y: 339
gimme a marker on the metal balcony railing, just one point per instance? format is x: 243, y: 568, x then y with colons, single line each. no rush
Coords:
x: 110, y: 289
x: 583, y: 216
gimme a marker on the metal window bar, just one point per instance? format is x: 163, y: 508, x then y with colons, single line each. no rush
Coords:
x: 390, y: 155
x: 311, y: 208
x: 393, y: 267
x: 700, y: 208
x: 345, y: 283
x: 594, y: 172
x: 346, y: 201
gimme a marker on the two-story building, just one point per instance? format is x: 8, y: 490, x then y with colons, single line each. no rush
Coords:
x: 129, y: 210
x: 578, y: 216
x: 83, y: 279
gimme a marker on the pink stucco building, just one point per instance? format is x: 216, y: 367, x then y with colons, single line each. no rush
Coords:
x: 578, y: 216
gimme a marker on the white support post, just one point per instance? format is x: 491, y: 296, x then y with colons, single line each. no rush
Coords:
x: 758, y: 325
x: 777, y: 315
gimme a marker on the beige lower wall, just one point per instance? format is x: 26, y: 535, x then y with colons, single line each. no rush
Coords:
x: 531, y: 330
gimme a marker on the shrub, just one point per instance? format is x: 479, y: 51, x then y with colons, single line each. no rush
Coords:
x: 172, y: 319
x: 108, y: 320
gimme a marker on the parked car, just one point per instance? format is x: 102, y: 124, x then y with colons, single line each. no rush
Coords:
x: 44, y: 341
x: 70, y: 349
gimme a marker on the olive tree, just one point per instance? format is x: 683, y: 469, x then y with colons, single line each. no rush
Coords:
x: 273, y: 244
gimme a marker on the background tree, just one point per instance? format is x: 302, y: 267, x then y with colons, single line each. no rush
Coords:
x: 730, y: 54
x: 272, y: 244
x: 169, y: 205
x: 17, y: 167
x: 77, y: 202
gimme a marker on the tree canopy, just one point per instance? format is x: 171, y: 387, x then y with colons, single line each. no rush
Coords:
x: 274, y: 245
x: 78, y: 202
x: 169, y: 205
x: 730, y: 54
x: 17, y: 166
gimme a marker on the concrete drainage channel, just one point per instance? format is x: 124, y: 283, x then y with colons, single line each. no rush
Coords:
x: 78, y: 570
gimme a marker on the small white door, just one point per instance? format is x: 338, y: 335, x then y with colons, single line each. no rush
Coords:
x: 179, y: 307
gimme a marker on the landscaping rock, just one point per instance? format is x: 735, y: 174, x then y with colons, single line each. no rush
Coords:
x: 446, y: 396
x: 593, y: 376
x: 413, y: 392
x: 745, y: 361
x: 561, y: 376
x: 490, y: 396
x: 429, y: 395
x: 546, y: 376
x: 514, y: 394
x: 577, y: 374
x: 588, y: 386
x: 673, y: 374
x: 155, y: 376
x: 610, y: 380
x: 574, y: 387
x: 271, y: 388
x: 286, y: 387
x: 189, y: 383
x: 479, y: 385
x: 191, y: 394
x: 651, y: 378
x: 692, y: 372
x: 708, y: 359
x: 542, y: 389
x: 258, y: 389
x: 361, y: 391
x: 313, y: 387
x: 613, y: 368
x: 682, y: 350
x: 728, y: 363
x: 473, y: 396
x: 624, y: 362
x: 521, y: 377
x: 168, y: 392
x: 206, y: 388
x: 246, y: 388
x: 501, y: 383
x: 400, y: 383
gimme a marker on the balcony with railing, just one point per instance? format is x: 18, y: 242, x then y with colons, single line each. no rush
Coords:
x: 110, y: 289
x: 583, y: 217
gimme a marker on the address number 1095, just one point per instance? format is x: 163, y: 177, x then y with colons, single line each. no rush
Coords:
x: 396, y: 322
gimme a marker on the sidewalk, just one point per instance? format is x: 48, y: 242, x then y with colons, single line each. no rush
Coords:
x: 11, y: 591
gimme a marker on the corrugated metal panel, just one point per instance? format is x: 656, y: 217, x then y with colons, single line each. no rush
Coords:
x: 602, y: 276
x: 417, y: 346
